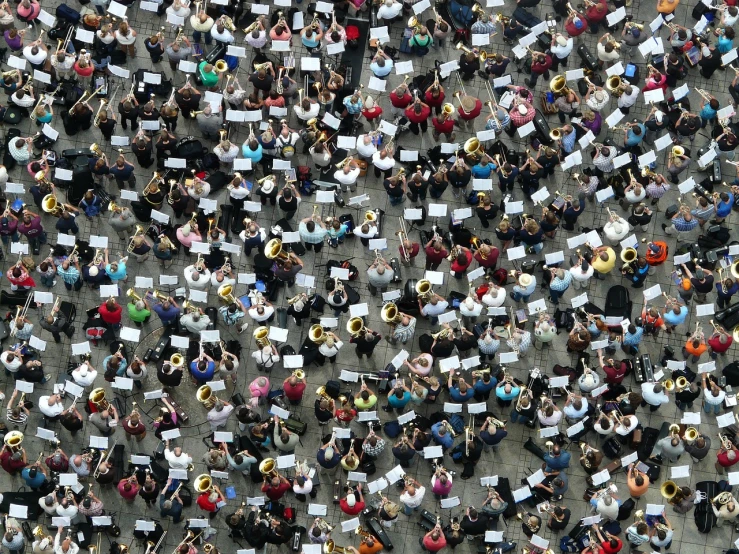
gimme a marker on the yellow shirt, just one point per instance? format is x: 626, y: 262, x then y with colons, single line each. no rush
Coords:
x: 605, y: 266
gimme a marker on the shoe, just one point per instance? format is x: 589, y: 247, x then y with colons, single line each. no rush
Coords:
x: 46, y: 377
x: 387, y: 408
x: 53, y: 283
x: 528, y: 83
x: 664, y: 227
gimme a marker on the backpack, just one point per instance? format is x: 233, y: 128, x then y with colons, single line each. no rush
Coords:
x: 95, y: 333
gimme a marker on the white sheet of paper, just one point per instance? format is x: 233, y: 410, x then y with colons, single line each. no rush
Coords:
x: 448, y: 503
x: 402, y: 68
x: 725, y: 420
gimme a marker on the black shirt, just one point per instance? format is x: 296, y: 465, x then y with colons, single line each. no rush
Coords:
x: 363, y: 345
x: 169, y: 379
x: 458, y: 180
x: 490, y: 213
x: 465, y: 342
x: 705, y: 287
x: 438, y: 185
x: 133, y: 113
x: 153, y: 115
x: 477, y: 527
x: 262, y: 84
x: 394, y: 190
x: 530, y: 239
x: 403, y: 456
x: 288, y: 206
x: 443, y: 349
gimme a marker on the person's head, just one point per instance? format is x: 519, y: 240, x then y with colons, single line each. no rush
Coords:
x: 639, y: 480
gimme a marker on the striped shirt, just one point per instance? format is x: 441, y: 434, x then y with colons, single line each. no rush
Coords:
x: 635, y: 338
x: 568, y: 141
x: 681, y: 225
x: 69, y: 276
x: 483, y: 28
x: 657, y: 191
x: 703, y: 213
x: 561, y: 285
x: 523, y: 343
x: 605, y: 163
x: 488, y: 348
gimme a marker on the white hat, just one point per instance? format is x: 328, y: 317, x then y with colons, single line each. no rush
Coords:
x: 369, y: 103
x: 351, y: 500
x: 599, y: 95
x: 523, y: 110
x: 268, y: 186
x: 186, y: 229
x: 94, y: 271
x: 524, y: 279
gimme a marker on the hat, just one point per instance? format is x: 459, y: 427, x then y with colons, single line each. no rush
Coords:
x: 562, y: 41
x: 658, y: 115
x: 706, y: 51
x: 351, y: 500
x: 185, y: 229
x: 369, y: 103
x: 268, y: 186
x: 523, y: 110
x: 468, y: 103
x: 653, y: 248
x: 524, y: 280
x: 699, y: 274
x: 635, y: 32
x: 93, y: 271
x: 599, y: 95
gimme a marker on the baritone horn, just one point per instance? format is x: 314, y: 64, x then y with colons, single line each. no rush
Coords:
x: 261, y: 336
x: 206, y: 397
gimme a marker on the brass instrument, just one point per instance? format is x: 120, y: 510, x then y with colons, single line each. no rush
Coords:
x: 722, y: 498
x: 97, y: 397
x: 261, y: 336
x: 691, y: 434
x: 33, y: 115
x: 268, y: 466
x: 203, y: 483
x: 355, y: 327
x: 132, y: 243
x: 13, y: 440
x: 668, y: 489
x: 317, y: 334
x: 390, y: 314
x: 403, y: 236
x: 156, y: 179
x: 225, y: 293
x: 84, y: 98
x: 329, y: 547
x: 558, y: 85
x: 628, y: 256
x: 206, y: 397
x: 726, y: 443
x: 424, y: 290
x: 273, y: 250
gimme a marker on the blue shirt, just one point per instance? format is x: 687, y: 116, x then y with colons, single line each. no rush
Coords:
x: 166, y: 316
x: 724, y: 44
x: 676, y: 319
x: 446, y: 441
x: 723, y: 209
x: 732, y: 290
x: 117, y: 275
x: 457, y: 396
x: 396, y: 402
x: 206, y: 375
x: 482, y: 171
x: 632, y: 139
x: 382, y: 71
x: 122, y: 173
x: 175, y: 511
x: 254, y: 155
x: 37, y: 481
x: 635, y: 339
x: 328, y: 464
x: 482, y: 386
x: 557, y: 462
x: 501, y: 393
x: 495, y: 438
x: 122, y: 365
x: 310, y: 42
x: 708, y: 112
x: 568, y: 141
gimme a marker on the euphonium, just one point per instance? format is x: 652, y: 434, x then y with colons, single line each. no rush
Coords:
x: 390, y: 314
x: 13, y: 440
x: 131, y: 293
x: 268, y: 466
x: 273, y: 250
x: 355, y: 327
x: 260, y: 336
x: 424, y: 290
x: 203, y: 483
x: 668, y: 489
x: 558, y: 85
x: 225, y: 293
x: 206, y: 397
x: 316, y: 334
x: 97, y: 397
x: 691, y: 433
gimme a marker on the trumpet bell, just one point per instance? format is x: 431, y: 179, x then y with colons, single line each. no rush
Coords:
x: 691, y: 433
x: 221, y: 66
x: 225, y: 293
x: 669, y: 385
x: 370, y: 215
x: 390, y: 313
x: 50, y: 204
x: 668, y: 489
x: 448, y: 108
x: 177, y: 360
x: 423, y: 288
x: 678, y: 151
x: 681, y: 382
x: 203, y: 483
x: 472, y: 146
x: 613, y: 83
x: 206, y: 397
x: 299, y: 374
x: 555, y: 134
x: 260, y: 336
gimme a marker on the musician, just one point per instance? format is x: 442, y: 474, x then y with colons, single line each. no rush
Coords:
x: 170, y: 504
x: 211, y: 501
x: 725, y: 512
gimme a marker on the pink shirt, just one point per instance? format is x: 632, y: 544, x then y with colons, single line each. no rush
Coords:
x: 437, y: 487
x: 256, y: 390
x: 187, y: 241
x: 130, y: 494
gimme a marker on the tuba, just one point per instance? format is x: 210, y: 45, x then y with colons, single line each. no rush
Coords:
x: 268, y: 466
x: 203, y: 483
x: 558, y: 85
x: 260, y: 336
x: 668, y: 490
x: 206, y: 397
x: 225, y: 293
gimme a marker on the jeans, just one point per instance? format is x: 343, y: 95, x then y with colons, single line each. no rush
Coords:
x: 409, y: 511
x: 77, y: 285
x: 537, y: 247
x: 516, y: 418
x: 395, y: 200
x: 518, y: 297
x: 47, y: 281
x: 197, y: 34
x: 556, y: 295
x: 715, y: 407
x: 315, y: 247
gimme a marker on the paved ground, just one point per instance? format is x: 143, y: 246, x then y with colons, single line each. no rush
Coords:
x: 511, y: 460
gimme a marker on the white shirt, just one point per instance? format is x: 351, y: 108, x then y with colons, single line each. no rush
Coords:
x: 611, y: 512
x: 330, y: 351
x: 177, y: 462
x: 652, y: 398
x: 383, y: 164
x: 389, y: 12
x: 623, y: 431
x: 474, y: 312
x: 563, y: 51
x: 202, y: 282
x: 11, y: 366
x: 226, y: 280
x: 49, y: 411
x: 579, y: 275
x: 225, y: 36
x: 371, y: 232
x: 50, y: 510
x: 494, y: 298
x: 365, y: 150
x: 130, y: 38
x: 239, y: 193
x: 38, y: 58
x: 310, y: 114
x: 415, y: 500
x: 140, y: 377
x: 268, y: 311
x: 604, y: 56
x: 73, y: 546
x: 84, y: 380
x: 216, y: 418
x: 265, y: 360
x: 713, y: 400
x: 70, y: 511
x: 626, y: 101
x: 346, y: 178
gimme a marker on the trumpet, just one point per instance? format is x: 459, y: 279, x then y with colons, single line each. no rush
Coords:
x: 705, y: 95
x: 726, y: 443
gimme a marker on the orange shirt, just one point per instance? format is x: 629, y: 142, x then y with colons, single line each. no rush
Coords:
x: 695, y: 351
x: 364, y: 549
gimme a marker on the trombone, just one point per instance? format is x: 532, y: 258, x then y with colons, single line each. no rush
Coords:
x: 403, y: 236
x: 84, y: 98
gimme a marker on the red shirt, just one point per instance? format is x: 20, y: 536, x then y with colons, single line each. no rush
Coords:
x: 723, y: 459
x: 434, y: 546
x: 206, y: 504
x: 128, y: 494
x: 400, y: 101
x: 351, y: 511
x: 432, y: 100
x: 413, y: 252
x: 615, y: 375
x: 110, y: 317
x: 441, y: 127
x: 294, y: 392
x: 491, y: 260
x: 341, y: 415
x: 541, y: 68
x: 717, y: 346
x: 475, y: 111
x: 419, y: 117
x: 434, y: 256
x: 9, y: 465
x: 275, y: 493
x: 608, y: 549
x: 456, y: 266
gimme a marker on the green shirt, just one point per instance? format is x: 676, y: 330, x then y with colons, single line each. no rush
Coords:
x: 362, y: 405
x: 416, y: 40
x: 138, y: 316
x: 209, y: 79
